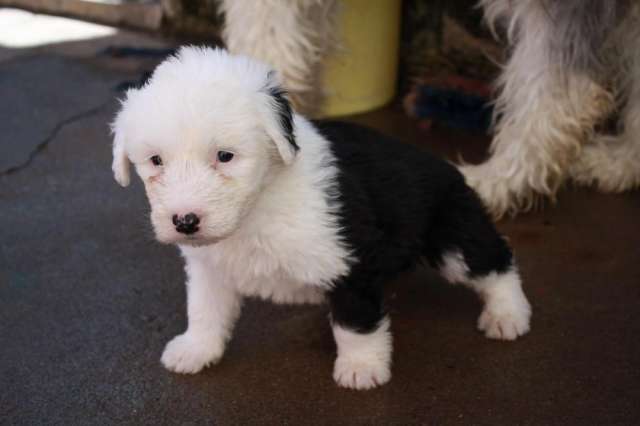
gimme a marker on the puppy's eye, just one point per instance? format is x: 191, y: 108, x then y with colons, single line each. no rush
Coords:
x: 225, y: 156
x: 156, y: 160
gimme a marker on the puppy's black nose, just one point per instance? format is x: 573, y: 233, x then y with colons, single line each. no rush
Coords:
x: 187, y: 224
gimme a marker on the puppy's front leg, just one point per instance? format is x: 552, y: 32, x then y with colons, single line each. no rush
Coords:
x: 213, y: 307
x: 363, y: 339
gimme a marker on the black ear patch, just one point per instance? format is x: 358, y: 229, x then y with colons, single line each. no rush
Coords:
x: 285, y: 117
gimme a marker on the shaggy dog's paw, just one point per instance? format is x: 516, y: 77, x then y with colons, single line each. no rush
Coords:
x: 302, y: 296
x: 500, y: 194
x: 505, y: 321
x: 310, y: 296
x: 189, y: 353
x: 609, y: 163
x: 361, y: 374
x: 493, y: 190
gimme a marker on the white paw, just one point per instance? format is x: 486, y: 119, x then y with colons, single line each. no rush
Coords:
x: 505, y: 321
x: 189, y: 353
x: 354, y: 373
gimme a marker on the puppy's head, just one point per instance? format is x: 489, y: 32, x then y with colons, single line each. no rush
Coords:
x: 205, y: 134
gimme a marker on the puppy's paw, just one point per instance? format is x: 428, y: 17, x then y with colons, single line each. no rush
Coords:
x: 361, y: 374
x: 505, y: 321
x: 189, y: 353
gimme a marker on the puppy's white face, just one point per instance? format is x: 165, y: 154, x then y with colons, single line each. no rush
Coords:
x: 213, y: 169
x: 206, y: 134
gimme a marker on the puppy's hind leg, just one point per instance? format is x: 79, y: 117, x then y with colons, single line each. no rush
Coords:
x: 506, y: 314
x: 361, y: 332
x: 466, y: 248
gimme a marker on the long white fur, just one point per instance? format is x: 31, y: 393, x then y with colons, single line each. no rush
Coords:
x: 293, y: 36
x: 545, y: 115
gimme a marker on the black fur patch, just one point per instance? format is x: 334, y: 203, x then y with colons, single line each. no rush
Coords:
x: 285, y: 116
x: 398, y: 206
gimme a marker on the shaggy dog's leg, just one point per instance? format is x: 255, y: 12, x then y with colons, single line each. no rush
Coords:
x: 466, y: 248
x: 612, y: 163
x: 212, y: 308
x: 544, y: 112
x: 361, y: 332
x: 293, y: 36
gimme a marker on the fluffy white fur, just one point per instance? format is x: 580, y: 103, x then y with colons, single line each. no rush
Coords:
x: 293, y: 36
x: 507, y: 312
x: 545, y: 115
x: 364, y: 360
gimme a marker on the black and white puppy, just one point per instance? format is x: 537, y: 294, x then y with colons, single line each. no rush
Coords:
x: 263, y: 203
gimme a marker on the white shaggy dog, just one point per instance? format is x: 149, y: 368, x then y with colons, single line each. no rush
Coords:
x: 262, y: 203
x: 572, y: 63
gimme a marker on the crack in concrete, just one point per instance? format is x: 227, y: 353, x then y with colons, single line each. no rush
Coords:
x: 46, y: 141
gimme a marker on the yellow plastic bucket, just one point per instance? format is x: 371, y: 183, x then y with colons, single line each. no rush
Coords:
x: 361, y: 74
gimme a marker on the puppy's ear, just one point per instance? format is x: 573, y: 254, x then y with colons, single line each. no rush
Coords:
x: 120, y: 165
x: 278, y: 121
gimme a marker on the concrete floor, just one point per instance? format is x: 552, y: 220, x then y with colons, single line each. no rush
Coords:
x: 88, y: 300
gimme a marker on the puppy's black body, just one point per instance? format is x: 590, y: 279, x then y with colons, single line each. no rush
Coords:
x: 399, y: 205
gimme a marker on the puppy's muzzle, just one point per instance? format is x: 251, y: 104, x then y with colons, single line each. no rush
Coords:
x: 187, y: 224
